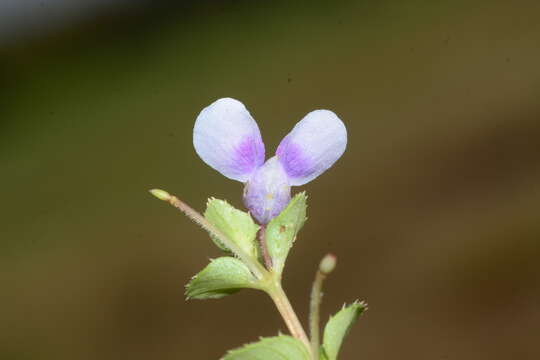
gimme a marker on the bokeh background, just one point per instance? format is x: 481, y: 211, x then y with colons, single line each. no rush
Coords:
x: 433, y: 211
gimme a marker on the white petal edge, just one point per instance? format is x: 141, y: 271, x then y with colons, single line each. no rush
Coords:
x: 314, y: 144
x: 227, y: 138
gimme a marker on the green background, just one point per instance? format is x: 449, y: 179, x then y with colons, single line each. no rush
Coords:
x: 433, y: 211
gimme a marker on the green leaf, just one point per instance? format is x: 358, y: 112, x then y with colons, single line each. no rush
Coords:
x: 237, y: 225
x: 281, y: 347
x: 322, y: 354
x: 223, y: 276
x: 281, y: 231
x: 338, y: 326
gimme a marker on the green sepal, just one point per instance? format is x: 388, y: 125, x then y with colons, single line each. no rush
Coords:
x: 338, y: 326
x: 281, y: 347
x: 223, y: 276
x: 281, y: 231
x: 236, y: 225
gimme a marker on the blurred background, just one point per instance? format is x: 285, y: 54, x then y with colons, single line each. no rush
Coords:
x: 433, y: 211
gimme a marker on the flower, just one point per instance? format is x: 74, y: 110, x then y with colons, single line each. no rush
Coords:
x: 228, y: 139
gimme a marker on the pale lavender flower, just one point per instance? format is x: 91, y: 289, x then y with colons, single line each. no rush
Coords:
x: 228, y: 139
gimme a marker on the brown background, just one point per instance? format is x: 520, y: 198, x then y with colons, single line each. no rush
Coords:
x: 433, y: 211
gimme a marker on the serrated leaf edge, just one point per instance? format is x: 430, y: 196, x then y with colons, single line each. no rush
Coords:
x: 361, y: 308
x: 222, y: 246
x: 297, y: 197
x: 261, y: 339
x: 252, y: 281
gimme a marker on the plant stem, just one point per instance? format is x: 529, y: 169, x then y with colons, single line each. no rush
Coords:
x: 314, y: 310
x: 327, y: 265
x: 264, y: 248
x: 287, y: 313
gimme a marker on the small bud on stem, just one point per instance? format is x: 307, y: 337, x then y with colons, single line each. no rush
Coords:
x: 161, y: 194
x: 328, y: 264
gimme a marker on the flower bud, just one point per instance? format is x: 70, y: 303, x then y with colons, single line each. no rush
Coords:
x: 328, y: 264
x: 267, y: 192
x: 161, y: 194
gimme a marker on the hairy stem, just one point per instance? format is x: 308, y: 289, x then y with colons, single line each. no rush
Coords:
x: 287, y: 313
x: 327, y: 265
x: 314, y: 310
x: 256, y: 268
x: 264, y: 248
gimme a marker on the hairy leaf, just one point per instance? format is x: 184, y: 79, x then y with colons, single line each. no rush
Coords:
x: 281, y: 347
x: 223, y: 276
x: 322, y: 354
x: 237, y: 225
x: 281, y: 231
x: 338, y: 326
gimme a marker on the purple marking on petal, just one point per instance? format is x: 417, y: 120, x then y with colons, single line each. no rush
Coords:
x: 228, y: 139
x: 313, y: 145
x: 294, y: 161
x: 249, y: 154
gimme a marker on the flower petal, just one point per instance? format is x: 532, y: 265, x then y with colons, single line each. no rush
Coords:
x: 268, y: 191
x: 313, y: 145
x: 227, y: 138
